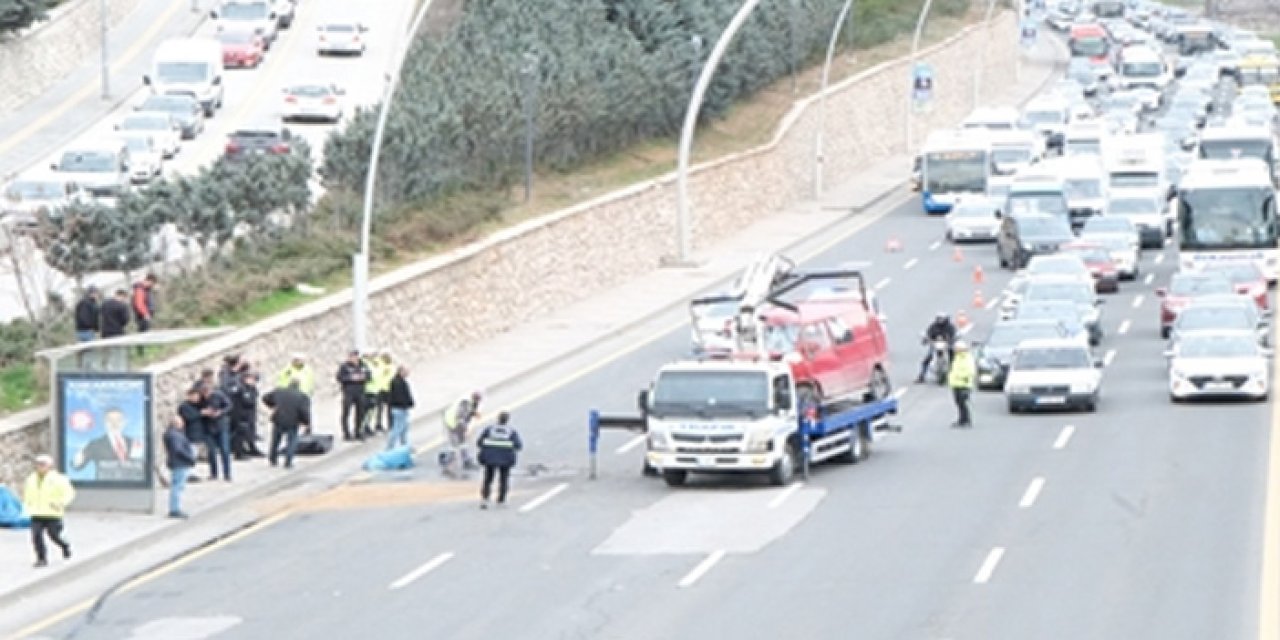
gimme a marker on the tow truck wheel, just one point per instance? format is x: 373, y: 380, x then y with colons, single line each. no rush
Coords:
x: 858, y: 448
x: 785, y: 470
x: 675, y: 477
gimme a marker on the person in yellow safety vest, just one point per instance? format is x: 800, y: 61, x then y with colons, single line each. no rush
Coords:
x: 961, y: 379
x: 457, y: 419
x: 298, y: 370
x: 383, y: 371
x: 46, y: 495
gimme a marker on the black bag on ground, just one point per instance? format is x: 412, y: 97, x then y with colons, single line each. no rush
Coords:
x: 311, y: 444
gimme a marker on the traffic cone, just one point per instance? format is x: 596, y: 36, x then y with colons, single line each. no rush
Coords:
x: 893, y: 245
x: 957, y: 255
x: 962, y: 319
x: 978, y: 302
x: 978, y: 275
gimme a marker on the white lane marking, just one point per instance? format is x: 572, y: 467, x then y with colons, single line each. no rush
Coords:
x: 1159, y: 258
x: 992, y: 304
x: 428, y: 567
x: 1033, y: 492
x: 702, y: 569
x: 911, y: 263
x: 631, y: 444
x: 902, y: 391
x: 1150, y: 277
x: 1106, y: 359
x: 965, y: 329
x: 884, y: 282
x: 989, y: 565
x: 542, y: 499
x: 786, y: 493
x: 1137, y: 301
x: 935, y: 245
x: 1124, y: 327
x: 1064, y: 437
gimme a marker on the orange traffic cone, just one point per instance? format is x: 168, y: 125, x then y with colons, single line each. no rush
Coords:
x: 978, y: 302
x: 893, y: 245
x: 978, y: 275
x: 958, y: 255
x: 962, y: 319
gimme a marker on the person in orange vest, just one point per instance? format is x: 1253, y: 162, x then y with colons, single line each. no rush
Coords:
x: 144, y: 304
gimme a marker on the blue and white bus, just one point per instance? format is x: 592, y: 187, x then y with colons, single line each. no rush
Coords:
x: 954, y: 163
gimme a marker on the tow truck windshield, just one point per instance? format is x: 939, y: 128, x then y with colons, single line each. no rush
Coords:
x: 711, y: 393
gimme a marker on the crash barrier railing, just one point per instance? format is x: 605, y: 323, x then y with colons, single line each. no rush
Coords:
x: 597, y: 421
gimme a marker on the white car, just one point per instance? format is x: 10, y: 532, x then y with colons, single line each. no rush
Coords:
x: 973, y: 218
x: 1126, y: 255
x: 1053, y: 373
x: 1145, y: 211
x: 1107, y: 225
x: 1053, y: 265
x: 1219, y: 364
x: 341, y: 37
x: 1220, y: 313
x: 166, y: 131
x: 146, y: 160
x: 28, y: 197
x: 314, y: 101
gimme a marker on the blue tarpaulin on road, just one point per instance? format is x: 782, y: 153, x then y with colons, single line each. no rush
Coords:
x: 11, y: 512
x: 390, y: 460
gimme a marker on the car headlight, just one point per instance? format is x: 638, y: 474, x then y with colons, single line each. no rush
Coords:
x: 758, y: 441
x: 658, y: 441
x: 1082, y: 387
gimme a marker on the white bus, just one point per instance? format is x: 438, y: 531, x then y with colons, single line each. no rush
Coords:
x: 1230, y: 142
x: 953, y: 163
x: 1136, y: 161
x: 1226, y: 212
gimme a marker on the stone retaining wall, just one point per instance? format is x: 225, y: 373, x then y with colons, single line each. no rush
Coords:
x: 475, y: 292
x: 46, y: 53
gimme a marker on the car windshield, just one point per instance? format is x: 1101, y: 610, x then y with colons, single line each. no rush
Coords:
x: 1214, y: 317
x: 1009, y: 334
x: 1044, y: 117
x: 255, y: 135
x: 179, y: 72
x: 1030, y: 204
x: 1103, y: 224
x: 1232, y: 149
x: 1083, y: 188
x: 1041, y: 227
x: 1141, y: 69
x: 145, y: 123
x: 973, y: 210
x: 1133, y: 206
x: 175, y: 104
x: 236, y: 36
x: 1056, y: 265
x: 1217, y: 347
x: 1084, y: 147
x: 1200, y: 285
x: 340, y: 28
x: 1110, y: 241
x: 245, y: 11
x: 36, y: 190
x: 138, y: 145
x: 1011, y: 155
x: 309, y: 90
x: 88, y: 161
x: 1090, y: 254
x: 1052, y: 358
x: 1074, y: 292
x: 710, y: 392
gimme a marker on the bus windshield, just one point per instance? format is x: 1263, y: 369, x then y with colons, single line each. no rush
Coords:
x: 956, y: 172
x: 1227, y: 218
x: 1134, y: 179
x: 1232, y: 149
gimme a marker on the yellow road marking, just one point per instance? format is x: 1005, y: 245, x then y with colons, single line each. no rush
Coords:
x: 125, y: 58
x: 1269, y: 588
x: 156, y: 573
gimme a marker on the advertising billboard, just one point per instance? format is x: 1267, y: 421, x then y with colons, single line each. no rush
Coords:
x: 104, y: 428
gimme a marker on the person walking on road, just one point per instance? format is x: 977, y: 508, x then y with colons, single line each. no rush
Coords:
x: 498, y: 446
x: 88, y: 316
x: 298, y: 371
x: 400, y: 400
x: 217, y: 426
x: 457, y: 421
x: 352, y: 376
x: 290, y: 411
x: 180, y: 457
x: 46, y: 495
x: 144, y: 302
x: 961, y: 379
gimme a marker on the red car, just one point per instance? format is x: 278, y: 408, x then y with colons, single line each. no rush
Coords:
x: 241, y: 49
x: 1248, y: 280
x: 1185, y: 287
x: 1106, y: 277
x: 836, y: 345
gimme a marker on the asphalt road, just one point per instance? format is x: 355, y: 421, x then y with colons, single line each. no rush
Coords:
x: 1142, y: 520
x: 252, y: 96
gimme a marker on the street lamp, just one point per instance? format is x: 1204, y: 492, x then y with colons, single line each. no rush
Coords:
x: 915, y: 50
x: 530, y: 73
x: 819, y: 157
x: 691, y: 122
x: 360, y: 262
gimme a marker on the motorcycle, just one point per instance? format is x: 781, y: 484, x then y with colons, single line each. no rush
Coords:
x: 940, y: 366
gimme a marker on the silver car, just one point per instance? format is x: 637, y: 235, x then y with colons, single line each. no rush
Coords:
x: 973, y: 218
x: 341, y: 37
x: 1219, y: 364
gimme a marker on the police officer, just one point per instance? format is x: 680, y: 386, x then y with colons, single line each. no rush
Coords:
x: 498, y: 445
x: 960, y: 379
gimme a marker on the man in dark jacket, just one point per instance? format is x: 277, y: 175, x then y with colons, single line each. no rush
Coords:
x: 498, y: 445
x: 244, y: 416
x: 180, y: 457
x: 144, y: 302
x: 352, y: 375
x: 115, y: 315
x: 291, y: 409
x: 228, y: 373
x: 217, y: 426
x: 400, y: 401
x: 192, y: 413
x: 88, y: 315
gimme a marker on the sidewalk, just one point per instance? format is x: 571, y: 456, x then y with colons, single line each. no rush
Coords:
x: 494, y: 364
x: 75, y: 103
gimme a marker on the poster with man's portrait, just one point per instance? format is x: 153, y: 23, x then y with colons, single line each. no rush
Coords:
x: 105, y: 423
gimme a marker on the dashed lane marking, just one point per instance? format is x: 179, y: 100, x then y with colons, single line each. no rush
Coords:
x: 1137, y: 301
x: 701, y: 570
x: 884, y: 282
x: 1124, y: 327
x: 427, y: 567
x: 631, y: 444
x: 545, y: 497
x: 989, y: 565
x: 911, y: 264
x: 1032, y: 492
x: 786, y: 493
x: 1111, y: 355
x: 1064, y: 437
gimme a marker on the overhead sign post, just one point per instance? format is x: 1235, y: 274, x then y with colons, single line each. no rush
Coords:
x: 1029, y: 32
x: 922, y: 86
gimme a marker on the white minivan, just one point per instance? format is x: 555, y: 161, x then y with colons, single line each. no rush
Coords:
x: 189, y: 65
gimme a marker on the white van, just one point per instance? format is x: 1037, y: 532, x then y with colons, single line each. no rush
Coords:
x: 1142, y: 66
x: 1085, y: 183
x: 189, y: 65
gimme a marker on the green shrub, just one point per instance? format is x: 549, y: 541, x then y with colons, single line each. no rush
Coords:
x: 16, y: 15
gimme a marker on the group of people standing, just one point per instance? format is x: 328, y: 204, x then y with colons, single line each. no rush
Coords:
x: 97, y: 318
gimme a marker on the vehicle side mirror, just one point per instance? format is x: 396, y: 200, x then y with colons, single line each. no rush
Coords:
x: 782, y: 399
x: 364, y: 29
x: 53, y: 165
x: 1161, y: 292
x: 1098, y: 364
x: 272, y: 15
x: 217, y: 80
x: 146, y: 80
x: 999, y: 214
x: 1099, y: 302
x: 213, y: 14
x: 642, y: 402
x: 286, y: 134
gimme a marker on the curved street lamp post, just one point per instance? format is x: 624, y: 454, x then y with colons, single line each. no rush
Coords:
x: 819, y: 157
x: 915, y: 50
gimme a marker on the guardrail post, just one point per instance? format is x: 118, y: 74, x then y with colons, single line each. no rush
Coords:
x: 593, y: 440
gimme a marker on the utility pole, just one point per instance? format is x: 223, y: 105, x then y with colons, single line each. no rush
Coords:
x: 794, y: 43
